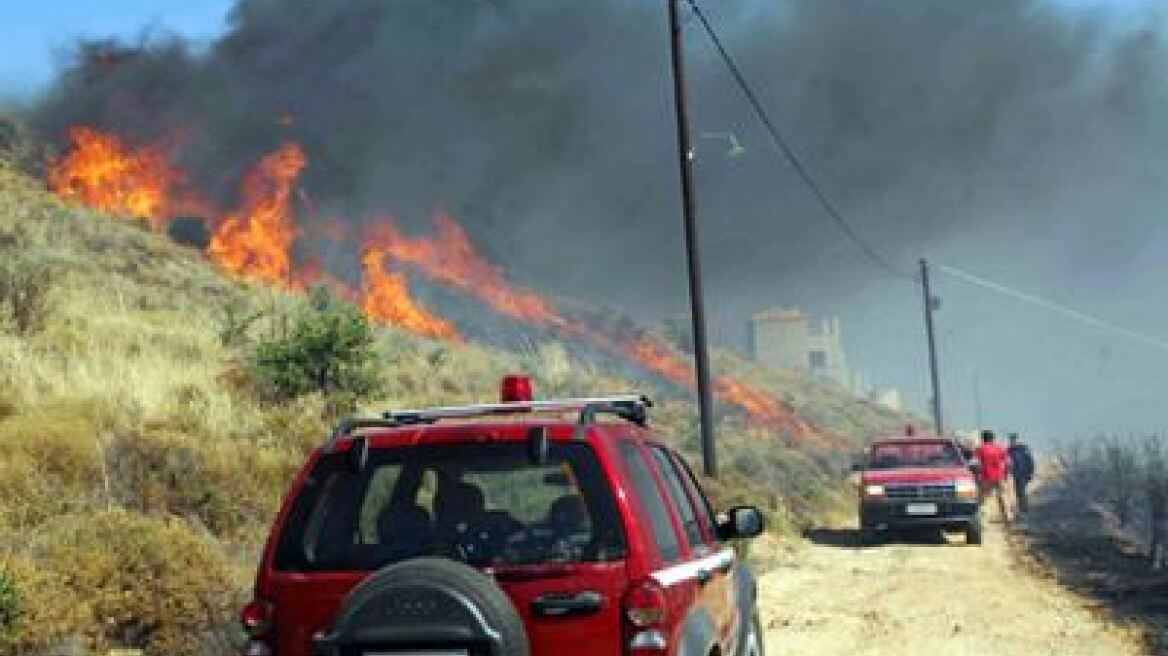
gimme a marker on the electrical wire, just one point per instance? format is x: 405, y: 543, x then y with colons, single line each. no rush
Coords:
x: 788, y: 151
x: 1047, y: 304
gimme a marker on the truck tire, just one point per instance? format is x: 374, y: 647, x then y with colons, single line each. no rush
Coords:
x: 973, y: 531
x: 752, y: 642
x: 867, y: 533
x: 427, y: 603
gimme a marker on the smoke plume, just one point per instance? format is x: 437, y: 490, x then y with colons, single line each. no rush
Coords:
x: 1016, y: 136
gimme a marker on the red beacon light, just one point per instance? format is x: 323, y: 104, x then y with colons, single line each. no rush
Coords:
x: 516, y: 388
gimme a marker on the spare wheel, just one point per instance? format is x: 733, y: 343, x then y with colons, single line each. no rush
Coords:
x: 426, y: 605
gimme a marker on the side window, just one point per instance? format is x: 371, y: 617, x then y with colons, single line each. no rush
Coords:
x: 695, y: 491
x: 651, y: 500
x: 689, y: 518
x: 317, y: 515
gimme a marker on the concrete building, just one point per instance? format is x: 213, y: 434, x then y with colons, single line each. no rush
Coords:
x: 789, y: 339
x: 889, y: 397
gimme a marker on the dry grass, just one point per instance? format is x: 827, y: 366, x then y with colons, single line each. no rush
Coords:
x: 126, y: 428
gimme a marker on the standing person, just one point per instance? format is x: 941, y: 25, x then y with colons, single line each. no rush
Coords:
x: 1022, y: 469
x: 994, y: 464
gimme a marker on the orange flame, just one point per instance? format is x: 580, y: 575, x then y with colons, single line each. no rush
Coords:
x: 387, y: 298
x: 450, y: 259
x: 104, y: 173
x: 255, y: 241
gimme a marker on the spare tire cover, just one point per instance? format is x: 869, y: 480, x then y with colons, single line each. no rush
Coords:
x: 427, y: 603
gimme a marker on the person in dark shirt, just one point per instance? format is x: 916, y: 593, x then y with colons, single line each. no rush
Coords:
x: 1022, y: 469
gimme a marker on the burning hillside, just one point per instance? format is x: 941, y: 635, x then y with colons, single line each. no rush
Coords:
x: 105, y: 173
x: 257, y: 241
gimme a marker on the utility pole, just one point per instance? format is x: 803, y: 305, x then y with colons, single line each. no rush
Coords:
x: 977, y: 399
x: 689, y: 214
x: 930, y: 306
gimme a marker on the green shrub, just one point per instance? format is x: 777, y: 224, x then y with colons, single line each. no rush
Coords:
x: 11, y: 606
x: 328, y: 350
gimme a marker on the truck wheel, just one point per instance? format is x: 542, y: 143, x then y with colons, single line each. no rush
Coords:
x: 426, y: 602
x: 867, y: 533
x: 752, y: 644
x: 867, y: 536
x: 973, y: 531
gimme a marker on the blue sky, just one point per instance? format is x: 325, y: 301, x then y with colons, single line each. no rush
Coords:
x: 35, y: 33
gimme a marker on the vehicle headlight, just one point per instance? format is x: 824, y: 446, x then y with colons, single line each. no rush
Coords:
x: 966, y: 489
x: 873, y: 490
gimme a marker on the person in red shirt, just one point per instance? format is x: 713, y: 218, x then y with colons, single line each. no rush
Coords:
x: 994, y: 468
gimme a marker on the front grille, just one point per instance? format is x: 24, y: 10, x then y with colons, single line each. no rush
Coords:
x: 926, y: 491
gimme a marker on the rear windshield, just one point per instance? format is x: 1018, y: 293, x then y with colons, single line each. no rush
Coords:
x: 484, y: 504
x: 914, y: 454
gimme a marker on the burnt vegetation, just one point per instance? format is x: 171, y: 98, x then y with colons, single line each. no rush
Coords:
x: 1125, y: 480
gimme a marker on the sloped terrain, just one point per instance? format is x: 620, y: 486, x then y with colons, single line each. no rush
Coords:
x: 139, y: 470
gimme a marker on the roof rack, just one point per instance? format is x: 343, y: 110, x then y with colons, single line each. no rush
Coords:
x: 631, y: 407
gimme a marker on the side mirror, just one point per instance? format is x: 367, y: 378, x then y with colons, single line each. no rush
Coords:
x: 538, y: 445
x: 858, y: 463
x: 357, y: 458
x: 741, y: 523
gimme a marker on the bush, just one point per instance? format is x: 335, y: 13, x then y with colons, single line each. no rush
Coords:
x: 226, y: 486
x: 11, y: 606
x: 328, y: 350
x: 1129, y: 477
x: 25, y: 292
x: 114, y: 579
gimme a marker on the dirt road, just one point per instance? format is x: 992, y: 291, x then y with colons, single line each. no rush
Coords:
x: 918, y: 596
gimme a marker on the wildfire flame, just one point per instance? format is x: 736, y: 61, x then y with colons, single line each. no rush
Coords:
x: 387, y: 298
x: 255, y: 241
x: 450, y: 259
x: 104, y: 173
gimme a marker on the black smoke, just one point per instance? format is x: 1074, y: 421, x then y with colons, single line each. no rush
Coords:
x: 1022, y: 138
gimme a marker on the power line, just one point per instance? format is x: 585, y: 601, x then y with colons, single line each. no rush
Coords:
x: 789, y: 153
x: 1047, y: 304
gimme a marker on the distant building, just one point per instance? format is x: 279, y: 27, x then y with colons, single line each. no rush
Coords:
x: 889, y: 397
x: 790, y: 340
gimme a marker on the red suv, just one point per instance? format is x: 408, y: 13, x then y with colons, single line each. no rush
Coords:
x: 503, y: 529
x: 918, y: 481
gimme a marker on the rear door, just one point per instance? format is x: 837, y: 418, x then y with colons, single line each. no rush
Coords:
x: 713, y: 561
x: 671, y: 565
x: 569, y: 576
x: 701, y: 581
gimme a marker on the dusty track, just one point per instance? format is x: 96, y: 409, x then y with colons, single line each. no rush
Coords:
x: 921, y: 595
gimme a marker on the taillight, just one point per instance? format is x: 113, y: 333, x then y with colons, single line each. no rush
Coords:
x: 256, y: 618
x: 647, y: 615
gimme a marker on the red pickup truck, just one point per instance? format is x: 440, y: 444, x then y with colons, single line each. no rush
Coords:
x: 915, y: 481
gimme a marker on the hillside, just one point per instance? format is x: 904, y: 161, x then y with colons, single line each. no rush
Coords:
x: 139, y: 469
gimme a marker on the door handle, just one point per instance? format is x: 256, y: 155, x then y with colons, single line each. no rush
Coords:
x: 566, y: 604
